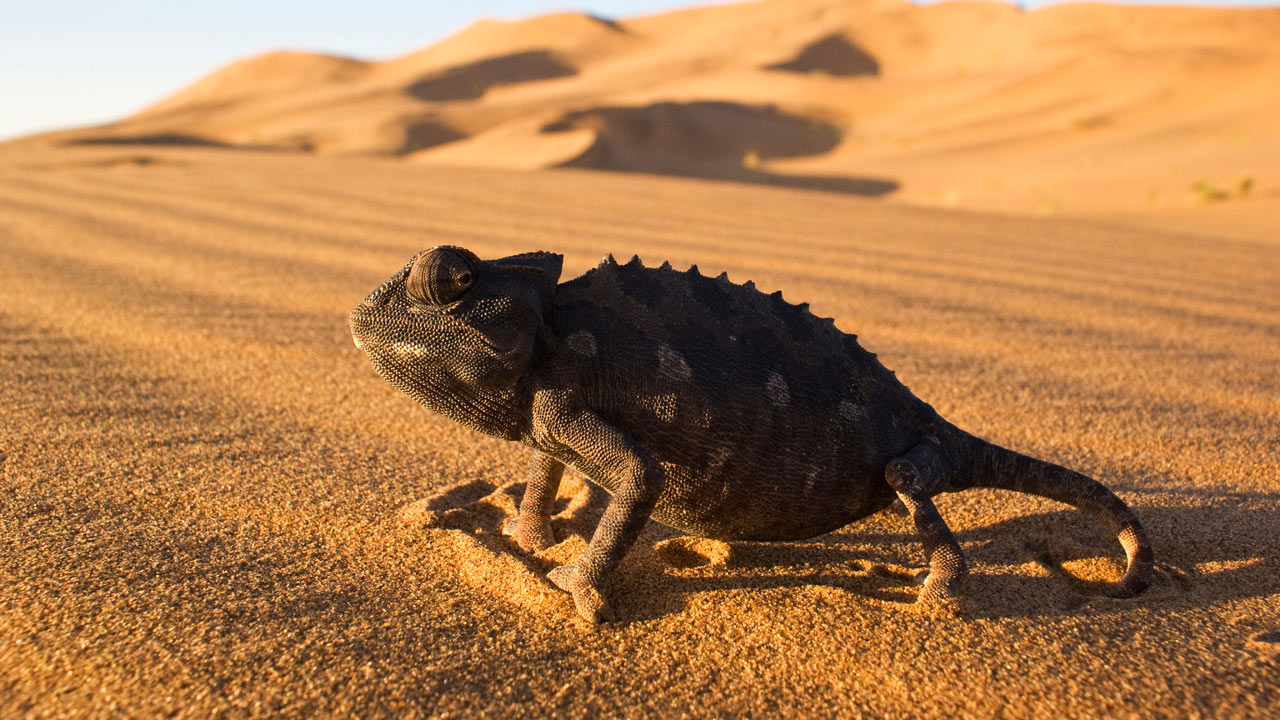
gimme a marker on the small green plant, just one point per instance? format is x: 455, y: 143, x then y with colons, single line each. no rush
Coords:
x: 1089, y: 122
x: 1245, y: 186
x: 1208, y: 192
x: 1049, y: 206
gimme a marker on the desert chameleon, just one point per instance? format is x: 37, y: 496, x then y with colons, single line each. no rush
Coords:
x: 707, y: 405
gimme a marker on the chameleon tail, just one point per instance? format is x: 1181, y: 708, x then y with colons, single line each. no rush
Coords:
x: 992, y: 466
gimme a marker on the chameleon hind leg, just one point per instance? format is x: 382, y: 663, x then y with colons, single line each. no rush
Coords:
x: 532, y: 525
x: 916, y: 477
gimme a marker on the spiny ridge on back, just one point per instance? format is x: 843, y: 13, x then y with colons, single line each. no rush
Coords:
x: 635, y: 271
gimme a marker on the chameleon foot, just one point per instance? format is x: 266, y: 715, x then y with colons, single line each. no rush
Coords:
x: 531, y: 526
x: 939, y: 589
x: 915, y: 477
x: 529, y: 533
x: 587, y: 598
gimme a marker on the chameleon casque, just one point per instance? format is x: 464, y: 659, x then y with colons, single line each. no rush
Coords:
x: 711, y: 407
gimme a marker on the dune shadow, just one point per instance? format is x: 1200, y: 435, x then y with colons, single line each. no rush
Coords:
x: 158, y: 139
x: 832, y: 55
x: 607, y: 22
x: 473, y: 80
x: 131, y: 161
x: 710, y: 140
x: 426, y: 133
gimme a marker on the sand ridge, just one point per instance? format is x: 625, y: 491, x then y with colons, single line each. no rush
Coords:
x: 212, y: 506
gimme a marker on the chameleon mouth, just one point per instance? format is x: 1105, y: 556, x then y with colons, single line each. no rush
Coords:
x: 371, y: 327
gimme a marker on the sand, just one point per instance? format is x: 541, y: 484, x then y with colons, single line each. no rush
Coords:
x: 212, y: 507
x: 1140, y: 114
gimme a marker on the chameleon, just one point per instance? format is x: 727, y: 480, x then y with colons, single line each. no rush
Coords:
x: 705, y: 405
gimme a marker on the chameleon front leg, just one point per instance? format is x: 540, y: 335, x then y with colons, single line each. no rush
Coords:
x: 636, y: 480
x: 916, y: 477
x: 532, y: 526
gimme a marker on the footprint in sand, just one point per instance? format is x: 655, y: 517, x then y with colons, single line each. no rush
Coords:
x: 691, y: 552
x: 473, y: 505
x: 1268, y: 641
x: 466, y: 522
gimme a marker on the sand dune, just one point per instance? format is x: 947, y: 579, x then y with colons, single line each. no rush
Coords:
x: 211, y: 505
x: 1081, y: 109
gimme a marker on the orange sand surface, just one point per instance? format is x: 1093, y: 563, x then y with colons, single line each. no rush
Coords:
x: 212, y: 507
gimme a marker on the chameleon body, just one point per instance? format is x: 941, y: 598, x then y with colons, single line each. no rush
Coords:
x: 709, y: 406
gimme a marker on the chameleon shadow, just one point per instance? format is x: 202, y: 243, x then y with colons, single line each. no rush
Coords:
x: 1230, y: 557
x: 1215, y: 566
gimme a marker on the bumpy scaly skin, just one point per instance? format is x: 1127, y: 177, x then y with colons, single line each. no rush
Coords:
x: 708, y: 406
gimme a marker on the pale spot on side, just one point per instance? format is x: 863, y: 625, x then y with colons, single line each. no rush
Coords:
x: 672, y: 364
x: 809, y: 484
x: 356, y: 340
x: 583, y: 343
x: 715, y: 473
x: 848, y: 410
x: 777, y: 390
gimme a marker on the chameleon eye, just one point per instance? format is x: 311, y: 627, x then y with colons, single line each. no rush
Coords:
x: 441, y: 275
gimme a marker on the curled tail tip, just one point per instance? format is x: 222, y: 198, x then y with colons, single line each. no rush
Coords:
x: 1128, y: 591
x: 1134, y: 582
x: 1141, y: 561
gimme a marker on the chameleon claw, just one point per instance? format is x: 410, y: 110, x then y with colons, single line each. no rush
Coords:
x: 936, y: 589
x: 588, y: 599
x: 941, y: 598
x: 532, y: 536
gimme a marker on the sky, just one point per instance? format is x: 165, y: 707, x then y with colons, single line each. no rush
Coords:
x: 65, y: 63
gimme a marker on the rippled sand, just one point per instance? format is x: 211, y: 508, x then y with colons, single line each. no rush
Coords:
x: 210, y: 504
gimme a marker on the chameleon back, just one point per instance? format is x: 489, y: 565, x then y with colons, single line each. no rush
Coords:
x: 762, y: 413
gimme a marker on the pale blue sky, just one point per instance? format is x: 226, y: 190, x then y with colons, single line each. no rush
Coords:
x: 77, y: 62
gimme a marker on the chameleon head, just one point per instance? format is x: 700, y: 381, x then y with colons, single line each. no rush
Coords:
x: 449, y: 324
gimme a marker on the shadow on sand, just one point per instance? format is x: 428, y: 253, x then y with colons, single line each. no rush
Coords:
x: 832, y: 55
x: 156, y: 139
x: 473, y: 80
x: 883, y: 565
x: 710, y: 140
